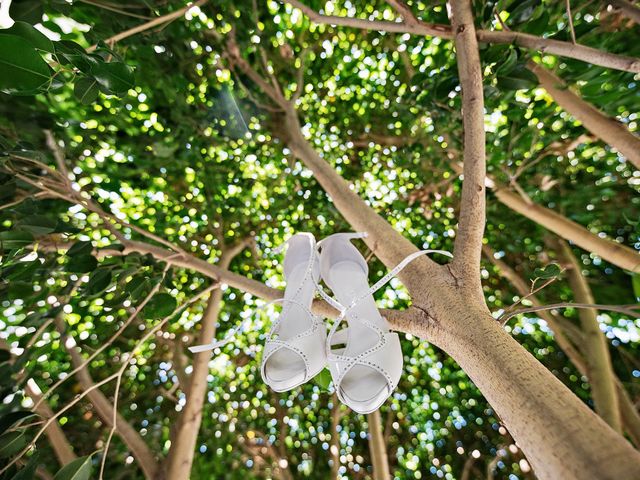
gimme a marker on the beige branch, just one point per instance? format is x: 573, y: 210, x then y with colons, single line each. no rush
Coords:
x: 608, y: 129
x: 378, y: 447
x: 182, y: 451
x: 57, y: 439
x: 107, y: 411
x: 595, y: 346
x: 468, y: 243
x: 532, y: 42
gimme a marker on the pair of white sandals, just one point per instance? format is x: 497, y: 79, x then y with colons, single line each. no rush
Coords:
x: 365, y: 358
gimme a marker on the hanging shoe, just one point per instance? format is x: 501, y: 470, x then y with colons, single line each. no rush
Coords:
x: 365, y: 358
x: 294, y: 351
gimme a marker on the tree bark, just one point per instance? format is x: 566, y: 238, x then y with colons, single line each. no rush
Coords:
x: 378, y: 447
x: 183, y: 445
x: 628, y: 411
x: 471, y: 222
x: 595, y: 347
x: 608, y: 129
x: 57, y: 439
x: 182, y: 451
x: 560, y: 435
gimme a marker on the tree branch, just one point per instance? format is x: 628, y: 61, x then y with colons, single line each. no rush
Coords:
x: 183, y: 444
x: 626, y: 309
x: 421, y: 28
x: 608, y: 129
x: 627, y: 9
x: 468, y: 243
x: 57, y: 439
x: 609, y: 250
x: 532, y: 42
x: 106, y: 411
x: 595, y: 345
x: 149, y: 25
x: 377, y: 447
x: 561, y: 328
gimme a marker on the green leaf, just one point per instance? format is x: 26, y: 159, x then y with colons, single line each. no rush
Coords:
x: 82, y: 264
x: 69, y: 52
x: 12, y: 418
x: 79, y: 469
x: 80, y: 248
x: 23, y: 69
x: 114, y: 77
x: 38, y: 224
x: 14, y: 239
x: 32, y: 35
x: 550, y: 271
x: 27, y: 11
x: 524, y: 11
x: 519, y: 78
x: 508, y: 64
x: 323, y: 379
x: 635, y: 282
x: 86, y: 90
x: 99, y: 280
x: 160, y: 306
x: 11, y: 443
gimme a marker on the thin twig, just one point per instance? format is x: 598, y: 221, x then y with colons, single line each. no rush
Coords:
x: 114, y: 9
x: 530, y: 294
x: 146, y: 26
x: 109, y: 342
x: 53, y: 418
x: 626, y: 309
x: 570, y: 17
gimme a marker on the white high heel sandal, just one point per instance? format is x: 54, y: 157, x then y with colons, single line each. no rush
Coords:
x: 365, y: 359
x: 294, y: 351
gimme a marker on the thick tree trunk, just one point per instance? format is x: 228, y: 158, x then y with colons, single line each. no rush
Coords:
x: 595, y: 346
x: 183, y: 444
x: 613, y: 252
x: 608, y: 129
x: 378, y: 447
x: 560, y: 435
